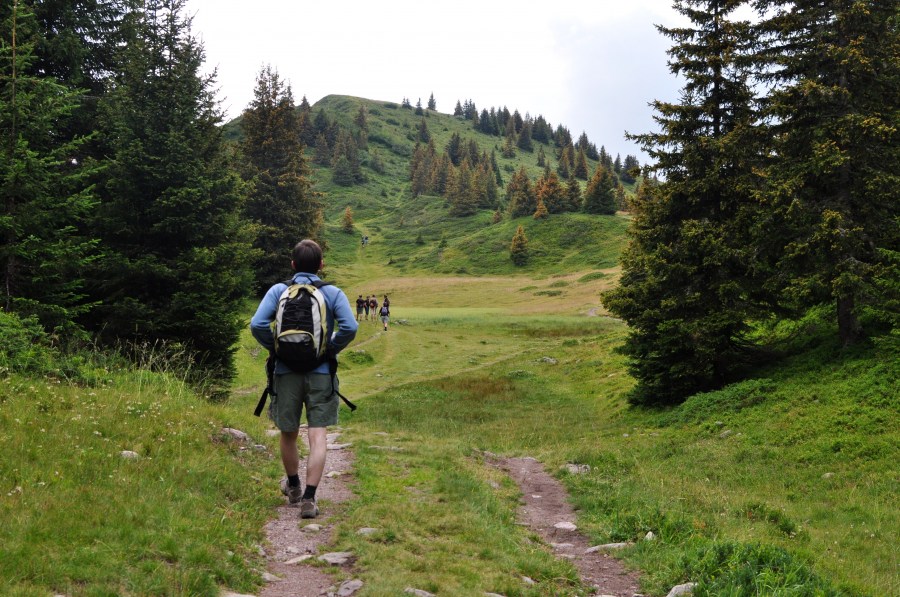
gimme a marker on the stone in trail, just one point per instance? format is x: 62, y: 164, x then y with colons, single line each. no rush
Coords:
x: 236, y: 434
x: 606, y: 547
x: 336, y: 558
x: 349, y: 587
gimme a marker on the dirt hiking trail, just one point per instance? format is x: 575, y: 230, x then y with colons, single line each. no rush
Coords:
x: 292, y: 545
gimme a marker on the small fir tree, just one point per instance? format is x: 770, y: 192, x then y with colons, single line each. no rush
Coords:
x: 518, y: 248
x: 347, y: 220
x: 599, y: 195
x: 541, y: 212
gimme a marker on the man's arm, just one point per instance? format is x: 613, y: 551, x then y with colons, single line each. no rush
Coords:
x: 345, y: 324
x: 261, y: 323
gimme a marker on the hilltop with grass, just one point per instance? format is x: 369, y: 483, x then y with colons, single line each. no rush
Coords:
x: 418, y: 232
x: 712, y: 372
x: 782, y: 483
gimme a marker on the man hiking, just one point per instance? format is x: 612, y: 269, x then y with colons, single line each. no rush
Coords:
x: 362, y: 303
x: 315, y: 391
x: 373, y: 306
x: 385, y: 313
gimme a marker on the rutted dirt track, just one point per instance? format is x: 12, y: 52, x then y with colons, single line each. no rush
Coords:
x: 544, y: 505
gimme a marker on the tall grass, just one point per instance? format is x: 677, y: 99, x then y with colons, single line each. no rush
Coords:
x: 180, y: 514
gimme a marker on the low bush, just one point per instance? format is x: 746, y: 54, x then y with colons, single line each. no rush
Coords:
x: 25, y: 345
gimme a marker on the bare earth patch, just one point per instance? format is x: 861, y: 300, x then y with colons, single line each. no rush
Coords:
x: 286, y: 539
x: 545, y: 509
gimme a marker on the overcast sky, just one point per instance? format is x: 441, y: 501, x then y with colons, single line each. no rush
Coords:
x: 591, y: 65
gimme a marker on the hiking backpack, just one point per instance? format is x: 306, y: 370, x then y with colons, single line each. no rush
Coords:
x: 301, y: 337
x: 301, y: 334
x: 385, y: 311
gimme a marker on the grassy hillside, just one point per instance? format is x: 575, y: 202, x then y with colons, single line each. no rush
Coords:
x: 415, y: 235
x: 783, y: 484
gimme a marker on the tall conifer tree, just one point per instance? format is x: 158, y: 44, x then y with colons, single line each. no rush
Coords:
x: 833, y: 183
x: 282, y: 203
x: 45, y: 193
x: 169, y: 216
x: 683, y: 289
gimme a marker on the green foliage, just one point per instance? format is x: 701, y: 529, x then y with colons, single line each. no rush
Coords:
x: 729, y: 568
x: 46, y: 191
x: 518, y: 248
x: 687, y: 288
x: 282, y: 204
x: 833, y: 114
x: 178, y: 254
x: 347, y: 221
x: 599, y: 194
x: 183, y: 516
x: 25, y: 345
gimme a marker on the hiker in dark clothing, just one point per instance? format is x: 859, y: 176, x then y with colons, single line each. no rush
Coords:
x: 366, y: 306
x: 385, y: 313
x: 360, y: 304
x: 373, y: 306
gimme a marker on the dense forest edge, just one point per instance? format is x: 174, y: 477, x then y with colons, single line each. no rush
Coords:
x: 711, y: 335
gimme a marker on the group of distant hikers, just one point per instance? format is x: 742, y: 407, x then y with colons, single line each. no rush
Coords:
x: 304, y: 323
x: 370, y: 303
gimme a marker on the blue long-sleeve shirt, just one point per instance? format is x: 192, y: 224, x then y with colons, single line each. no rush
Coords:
x: 338, y: 314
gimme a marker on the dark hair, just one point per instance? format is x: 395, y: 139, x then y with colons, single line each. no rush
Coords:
x: 307, y: 256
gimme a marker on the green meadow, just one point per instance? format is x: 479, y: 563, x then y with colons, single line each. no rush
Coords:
x: 783, y: 484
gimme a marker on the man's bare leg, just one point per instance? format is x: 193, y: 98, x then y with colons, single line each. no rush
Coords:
x: 290, y: 458
x: 318, y: 447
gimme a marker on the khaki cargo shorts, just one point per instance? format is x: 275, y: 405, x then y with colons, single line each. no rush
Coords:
x: 296, y: 391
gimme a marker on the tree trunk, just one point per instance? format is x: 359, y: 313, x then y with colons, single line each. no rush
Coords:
x: 849, y: 328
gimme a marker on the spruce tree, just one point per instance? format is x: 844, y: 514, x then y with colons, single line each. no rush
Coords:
x: 550, y: 192
x: 347, y: 220
x: 599, y: 194
x: 834, y: 114
x: 581, y: 167
x: 573, y: 195
x: 424, y: 136
x: 540, y: 212
x: 170, y: 213
x: 684, y: 290
x: 282, y: 203
x: 518, y: 248
x: 523, y: 141
x: 519, y: 194
x: 45, y: 192
x: 432, y: 105
x: 323, y: 153
x: 461, y: 192
x: 455, y: 149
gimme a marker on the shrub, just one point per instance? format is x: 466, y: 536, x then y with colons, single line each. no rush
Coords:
x: 25, y: 345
